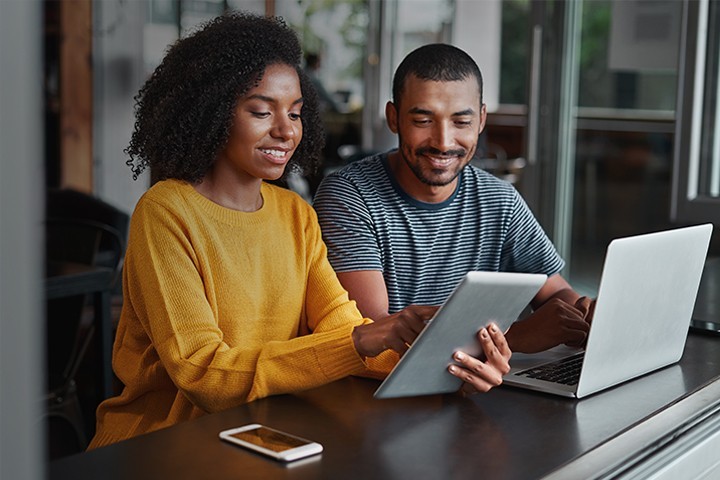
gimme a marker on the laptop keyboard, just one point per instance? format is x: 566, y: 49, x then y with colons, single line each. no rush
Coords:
x: 565, y: 371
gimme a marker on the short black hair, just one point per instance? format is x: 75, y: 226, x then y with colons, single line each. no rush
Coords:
x: 437, y: 62
x: 185, y: 110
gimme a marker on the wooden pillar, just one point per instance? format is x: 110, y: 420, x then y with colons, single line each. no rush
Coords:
x: 76, y: 95
x: 270, y: 8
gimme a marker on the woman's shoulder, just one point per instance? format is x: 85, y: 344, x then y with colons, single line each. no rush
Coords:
x: 288, y: 207
x: 167, y: 195
x: 285, y: 197
x: 168, y: 191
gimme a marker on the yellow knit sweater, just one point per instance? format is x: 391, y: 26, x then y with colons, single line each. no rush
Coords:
x: 218, y: 310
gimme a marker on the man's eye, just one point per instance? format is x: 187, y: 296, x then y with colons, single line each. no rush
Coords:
x: 463, y: 123
x: 421, y: 121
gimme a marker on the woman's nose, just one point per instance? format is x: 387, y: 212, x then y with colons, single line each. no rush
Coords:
x: 286, y: 128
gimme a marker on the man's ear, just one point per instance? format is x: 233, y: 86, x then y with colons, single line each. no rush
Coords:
x: 391, y: 116
x: 483, y: 117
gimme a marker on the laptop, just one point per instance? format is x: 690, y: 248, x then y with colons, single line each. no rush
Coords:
x: 478, y: 299
x: 645, y: 301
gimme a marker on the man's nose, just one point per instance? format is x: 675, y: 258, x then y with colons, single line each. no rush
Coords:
x: 442, y: 138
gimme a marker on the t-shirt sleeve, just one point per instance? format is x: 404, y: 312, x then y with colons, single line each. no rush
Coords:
x: 527, y: 247
x: 347, y: 226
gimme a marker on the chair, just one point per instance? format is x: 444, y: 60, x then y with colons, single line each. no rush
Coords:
x: 79, y: 239
x: 71, y: 204
x: 68, y: 337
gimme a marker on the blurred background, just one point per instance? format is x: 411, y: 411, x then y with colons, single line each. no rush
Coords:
x: 584, y: 97
x: 602, y: 113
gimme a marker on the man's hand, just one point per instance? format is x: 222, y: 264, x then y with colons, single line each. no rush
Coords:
x: 478, y: 375
x: 587, y: 306
x: 396, y: 331
x: 554, y: 323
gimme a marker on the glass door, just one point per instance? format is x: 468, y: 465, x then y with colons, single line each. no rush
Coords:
x: 600, y: 124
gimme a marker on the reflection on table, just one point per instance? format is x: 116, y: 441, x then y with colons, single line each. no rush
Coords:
x: 507, y: 433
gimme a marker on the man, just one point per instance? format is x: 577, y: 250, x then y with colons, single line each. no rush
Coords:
x: 403, y: 227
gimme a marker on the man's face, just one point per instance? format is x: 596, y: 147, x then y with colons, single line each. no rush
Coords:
x: 438, y: 124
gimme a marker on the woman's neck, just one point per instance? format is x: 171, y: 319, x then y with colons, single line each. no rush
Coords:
x: 230, y: 193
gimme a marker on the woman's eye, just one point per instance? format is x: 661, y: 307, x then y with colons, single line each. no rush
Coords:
x: 294, y: 116
x: 261, y: 114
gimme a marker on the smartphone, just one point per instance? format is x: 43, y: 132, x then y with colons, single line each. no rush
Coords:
x: 273, y: 443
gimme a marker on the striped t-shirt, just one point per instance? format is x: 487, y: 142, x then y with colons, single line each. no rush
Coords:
x: 424, y: 249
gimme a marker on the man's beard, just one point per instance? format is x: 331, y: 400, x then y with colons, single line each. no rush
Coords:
x: 438, y: 180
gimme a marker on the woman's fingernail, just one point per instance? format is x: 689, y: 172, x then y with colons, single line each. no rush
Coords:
x: 459, y: 356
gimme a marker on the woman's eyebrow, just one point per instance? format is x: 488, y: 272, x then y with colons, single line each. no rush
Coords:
x: 265, y: 98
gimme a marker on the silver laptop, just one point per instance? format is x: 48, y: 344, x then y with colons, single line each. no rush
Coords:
x: 644, y: 305
x: 478, y: 299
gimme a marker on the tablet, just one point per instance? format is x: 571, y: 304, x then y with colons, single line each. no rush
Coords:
x: 479, y: 298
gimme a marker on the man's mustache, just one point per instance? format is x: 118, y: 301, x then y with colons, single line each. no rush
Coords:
x: 461, y: 152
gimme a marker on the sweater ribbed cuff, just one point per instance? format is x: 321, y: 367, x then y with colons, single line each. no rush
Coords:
x: 337, y: 356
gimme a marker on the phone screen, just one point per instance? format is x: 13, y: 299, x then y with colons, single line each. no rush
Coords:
x: 270, y: 439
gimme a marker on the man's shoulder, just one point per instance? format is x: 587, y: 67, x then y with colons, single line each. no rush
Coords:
x: 486, y: 183
x: 367, y: 169
x: 371, y: 165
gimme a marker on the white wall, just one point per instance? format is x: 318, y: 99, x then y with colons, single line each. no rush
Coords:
x: 118, y: 75
x: 21, y: 186
x: 477, y: 30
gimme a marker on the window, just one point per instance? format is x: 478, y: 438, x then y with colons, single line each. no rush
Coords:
x: 696, y: 180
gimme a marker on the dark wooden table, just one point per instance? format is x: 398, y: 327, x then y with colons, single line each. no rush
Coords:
x: 505, y: 434
x: 66, y: 279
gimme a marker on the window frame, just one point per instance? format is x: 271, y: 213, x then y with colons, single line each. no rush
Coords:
x: 688, y: 203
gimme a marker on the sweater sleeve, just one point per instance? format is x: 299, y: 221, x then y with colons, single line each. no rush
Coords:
x: 328, y: 305
x: 174, y: 304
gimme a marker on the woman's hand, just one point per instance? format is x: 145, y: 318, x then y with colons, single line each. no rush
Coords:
x: 396, y: 331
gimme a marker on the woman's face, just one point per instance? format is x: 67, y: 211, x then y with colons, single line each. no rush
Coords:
x: 266, y: 127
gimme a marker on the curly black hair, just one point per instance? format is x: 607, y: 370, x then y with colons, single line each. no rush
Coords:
x: 185, y: 109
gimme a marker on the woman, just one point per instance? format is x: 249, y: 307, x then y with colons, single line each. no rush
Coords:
x: 228, y: 295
